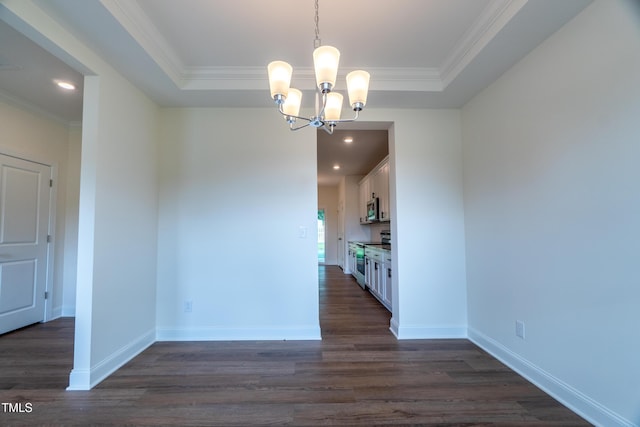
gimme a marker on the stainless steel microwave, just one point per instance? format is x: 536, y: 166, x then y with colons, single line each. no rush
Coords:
x: 373, y: 210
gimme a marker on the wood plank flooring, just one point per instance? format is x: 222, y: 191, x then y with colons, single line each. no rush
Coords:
x: 359, y: 374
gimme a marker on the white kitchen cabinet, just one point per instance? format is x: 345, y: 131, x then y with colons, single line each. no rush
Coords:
x: 372, y: 274
x: 381, y: 189
x: 376, y: 271
x: 364, y: 192
x: 367, y: 272
x: 376, y: 184
x: 386, y: 279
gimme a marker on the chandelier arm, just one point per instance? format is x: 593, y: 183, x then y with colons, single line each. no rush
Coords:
x: 299, y: 127
x: 347, y: 120
x: 328, y: 128
x: 287, y: 116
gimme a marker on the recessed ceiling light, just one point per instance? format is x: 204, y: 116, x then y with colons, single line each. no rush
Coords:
x: 65, y: 85
x: 336, y: 167
x: 348, y: 139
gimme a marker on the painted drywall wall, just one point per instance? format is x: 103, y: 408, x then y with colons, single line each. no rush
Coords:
x: 69, y: 274
x: 425, y: 183
x: 36, y: 137
x: 553, y: 213
x: 123, y: 163
x: 237, y: 227
x: 117, y: 222
x: 328, y: 200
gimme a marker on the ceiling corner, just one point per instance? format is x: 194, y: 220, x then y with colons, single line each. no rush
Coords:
x: 136, y: 22
x: 491, y: 21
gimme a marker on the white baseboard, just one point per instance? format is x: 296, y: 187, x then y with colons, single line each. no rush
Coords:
x: 68, y: 311
x: 62, y: 311
x: 425, y: 333
x: 393, y: 326
x: 238, y: 334
x: 56, y: 313
x: 86, y: 379
x: 572, y: 398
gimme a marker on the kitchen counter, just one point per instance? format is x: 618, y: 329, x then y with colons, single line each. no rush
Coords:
x: 384, y: 246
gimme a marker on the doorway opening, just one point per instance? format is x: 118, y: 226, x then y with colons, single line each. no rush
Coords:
x: 321, y: 237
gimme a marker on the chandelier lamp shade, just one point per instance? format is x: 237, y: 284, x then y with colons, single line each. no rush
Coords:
x: 328, y: 103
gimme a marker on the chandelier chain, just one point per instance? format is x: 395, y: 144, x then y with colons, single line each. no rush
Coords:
x: 316, y: 42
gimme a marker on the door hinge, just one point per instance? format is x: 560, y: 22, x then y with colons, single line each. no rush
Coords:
x: 46, y: 295
x: 50, y: 183
x: 48, y: 238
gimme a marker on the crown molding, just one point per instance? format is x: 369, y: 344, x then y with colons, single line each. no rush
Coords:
x: 406, y: 79
x: 255, y: 78
x: 491, y: 21
x: 135, y: 21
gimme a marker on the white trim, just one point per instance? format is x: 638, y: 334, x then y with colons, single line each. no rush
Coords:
x: 393, y: 326
x: 68, y: 311
x: 572, y: 398
x: 136, y: 22
x: 56, y: 313
x: 415, y: 332
x: 86, y: 379
x: 491, y: 21
x: 238, y: 334
x: 51, y: 244
x: 77, y: 379
x: 252, y: 78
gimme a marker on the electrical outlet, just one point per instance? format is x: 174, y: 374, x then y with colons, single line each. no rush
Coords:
x: 188, y: 306
x: 520, y: 329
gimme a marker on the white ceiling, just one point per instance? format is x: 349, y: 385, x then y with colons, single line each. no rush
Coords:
x: 28, y: 74
x: 366, y: 150
x: 213, y: 53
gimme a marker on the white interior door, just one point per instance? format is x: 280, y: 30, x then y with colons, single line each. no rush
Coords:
x: 24, y: 227
x: 341, y: 242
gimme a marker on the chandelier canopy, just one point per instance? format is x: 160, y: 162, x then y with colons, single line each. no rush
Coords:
x: 328, y: 103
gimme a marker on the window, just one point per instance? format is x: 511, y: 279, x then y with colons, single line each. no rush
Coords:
x: 321, y: 244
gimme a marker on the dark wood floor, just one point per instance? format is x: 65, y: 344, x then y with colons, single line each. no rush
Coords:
x: 359, y: 374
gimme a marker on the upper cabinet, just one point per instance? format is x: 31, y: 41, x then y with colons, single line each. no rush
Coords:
x: 376, y: 185
x: 364, y: 194
x: 381, y: 189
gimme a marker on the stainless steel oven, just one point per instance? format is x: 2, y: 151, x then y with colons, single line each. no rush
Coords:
x: 359, y: 273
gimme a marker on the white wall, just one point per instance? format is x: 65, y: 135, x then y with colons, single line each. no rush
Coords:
x: 117, y: 231
x: 71, y: 222
x: 552, y: 210
x: 429, y: 284
x: 117, y: 235
x: 235, y: 188
x: 39, y: 138
x: 328, y: 200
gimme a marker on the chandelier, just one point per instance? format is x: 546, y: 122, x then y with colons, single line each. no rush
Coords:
x: 328, y: 103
